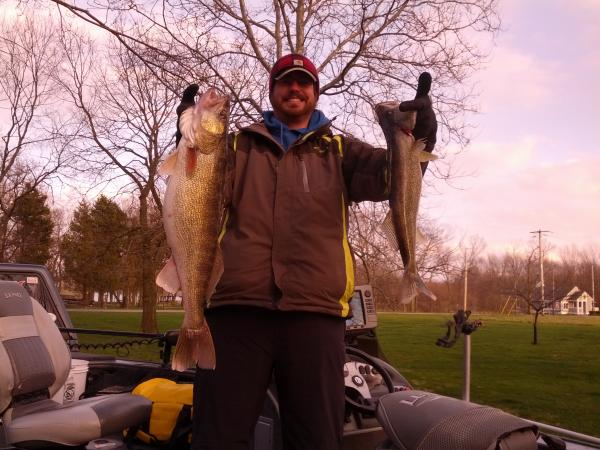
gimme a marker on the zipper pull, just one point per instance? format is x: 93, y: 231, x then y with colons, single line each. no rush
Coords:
x: 304, y: 173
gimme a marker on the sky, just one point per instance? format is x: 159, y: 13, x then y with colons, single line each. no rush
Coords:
x: 534, y: 158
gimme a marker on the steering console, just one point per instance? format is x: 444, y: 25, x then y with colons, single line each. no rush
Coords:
x: 357, y: 377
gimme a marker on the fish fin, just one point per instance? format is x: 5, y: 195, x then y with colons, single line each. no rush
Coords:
x: 191, y: 159
x: 194, y: 347
x: 411, y: 286
x: 167, y: 167
x: 419, y: 145
x: 387, y: 228
x: 186, y: 125
x: 168, y: 279
x: 424, y: 290
x: 426, y: 156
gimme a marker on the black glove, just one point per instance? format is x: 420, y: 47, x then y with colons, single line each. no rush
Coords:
x: 423, y: 85
x: 187, y: 101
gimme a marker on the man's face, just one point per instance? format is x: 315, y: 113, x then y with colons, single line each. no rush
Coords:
x: 294, y: 98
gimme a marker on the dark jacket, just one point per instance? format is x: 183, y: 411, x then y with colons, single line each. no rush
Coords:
x: 284, y: 242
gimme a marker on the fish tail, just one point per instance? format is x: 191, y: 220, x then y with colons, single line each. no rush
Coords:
x: 411, y: 286
x: 194, y: 347
x: 408, y: 289
x: 425, y: 290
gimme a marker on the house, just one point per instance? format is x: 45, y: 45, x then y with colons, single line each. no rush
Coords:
x: 577, y: 302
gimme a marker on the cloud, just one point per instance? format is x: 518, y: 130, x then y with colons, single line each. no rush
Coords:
x: 536, y: 162
x: 588, y: 6
x: 517, y: 80
x: 9, y: 10
x: 516, y: 192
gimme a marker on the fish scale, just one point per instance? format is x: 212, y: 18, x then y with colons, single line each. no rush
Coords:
x: 198, y: 199
x: 192, y: 213
x: 400, y: 225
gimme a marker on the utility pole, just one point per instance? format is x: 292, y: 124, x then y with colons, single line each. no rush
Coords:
x: 541, y: 256
x: 593, y: 287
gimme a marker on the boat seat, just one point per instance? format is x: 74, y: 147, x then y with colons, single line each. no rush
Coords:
x: 34, y: 364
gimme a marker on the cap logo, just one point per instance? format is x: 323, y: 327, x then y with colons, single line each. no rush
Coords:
x: 298, y: 62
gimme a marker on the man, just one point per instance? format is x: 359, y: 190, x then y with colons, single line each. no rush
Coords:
x: 279, y: 310
x: 426, y: 126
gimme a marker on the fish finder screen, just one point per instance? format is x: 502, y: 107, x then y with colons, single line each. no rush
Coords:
x: 358, y: 319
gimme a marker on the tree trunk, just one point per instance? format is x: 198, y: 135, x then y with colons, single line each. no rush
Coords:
x: 3, y: 237
x: 535, y: 331
x: 87, y: 296
x: 148, y: 288
x: 125, y: 302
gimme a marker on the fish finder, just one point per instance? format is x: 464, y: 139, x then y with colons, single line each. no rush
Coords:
x: 362, y: 307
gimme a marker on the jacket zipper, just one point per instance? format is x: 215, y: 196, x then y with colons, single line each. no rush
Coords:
x: 304, y: 173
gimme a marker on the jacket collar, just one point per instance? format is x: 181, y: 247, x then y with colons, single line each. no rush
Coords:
x: 261, y: 129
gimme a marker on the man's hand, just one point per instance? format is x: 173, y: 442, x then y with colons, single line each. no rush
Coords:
x: 426, y: 125
x: 187, y: 101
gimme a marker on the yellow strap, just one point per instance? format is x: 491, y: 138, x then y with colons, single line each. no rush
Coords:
x: 305, y: 137
x: 222, y: 233
x: 235, y: 139
x: 344, y: 300
x: 224, y: 227
x: 337, y: 138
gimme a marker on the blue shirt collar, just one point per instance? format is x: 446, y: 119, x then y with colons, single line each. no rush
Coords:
x: 285, y: 136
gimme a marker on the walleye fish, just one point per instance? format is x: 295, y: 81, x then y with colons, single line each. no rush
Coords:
x: 192, y: 212
x: 405, y: 159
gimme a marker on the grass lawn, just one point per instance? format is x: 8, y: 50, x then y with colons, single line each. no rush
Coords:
x: 118, y: 320
x: 555, y: 382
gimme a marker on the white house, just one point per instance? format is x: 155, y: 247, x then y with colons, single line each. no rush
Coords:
x: 576, y: 302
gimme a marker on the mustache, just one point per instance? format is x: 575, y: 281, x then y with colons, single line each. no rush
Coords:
x: 296, y: 95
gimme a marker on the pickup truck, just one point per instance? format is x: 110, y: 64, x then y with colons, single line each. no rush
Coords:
x: 75, y: 399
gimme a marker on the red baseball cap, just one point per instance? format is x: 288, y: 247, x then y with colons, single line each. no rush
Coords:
x: 290, y: 63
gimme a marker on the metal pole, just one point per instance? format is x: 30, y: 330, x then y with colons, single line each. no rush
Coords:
x: 593, y: 287
x: 541, y: 253
x: 467, y: 369
x: 467, y: 345
x: 466, y: 276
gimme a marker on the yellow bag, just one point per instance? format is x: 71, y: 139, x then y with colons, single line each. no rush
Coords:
x: 171, y: 417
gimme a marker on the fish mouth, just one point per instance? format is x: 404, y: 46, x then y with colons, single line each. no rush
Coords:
x: 388, y: 105
x: 214, y: 100
x: 389, y: 113
x: 383, y: 108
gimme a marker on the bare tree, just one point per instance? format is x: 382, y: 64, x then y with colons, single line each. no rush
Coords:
x: 366, y: 51
x: 127, y: 126
x: 522, y: 282
x: 380, y: 264
x: 29, y: 156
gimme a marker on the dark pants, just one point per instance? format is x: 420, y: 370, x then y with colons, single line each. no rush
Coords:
x: 304, y: 351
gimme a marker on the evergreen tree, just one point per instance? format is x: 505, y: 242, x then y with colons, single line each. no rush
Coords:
x: 33, y: 226
x: 110, y: 229
x: 93, y: 247
x: 77, y: 249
